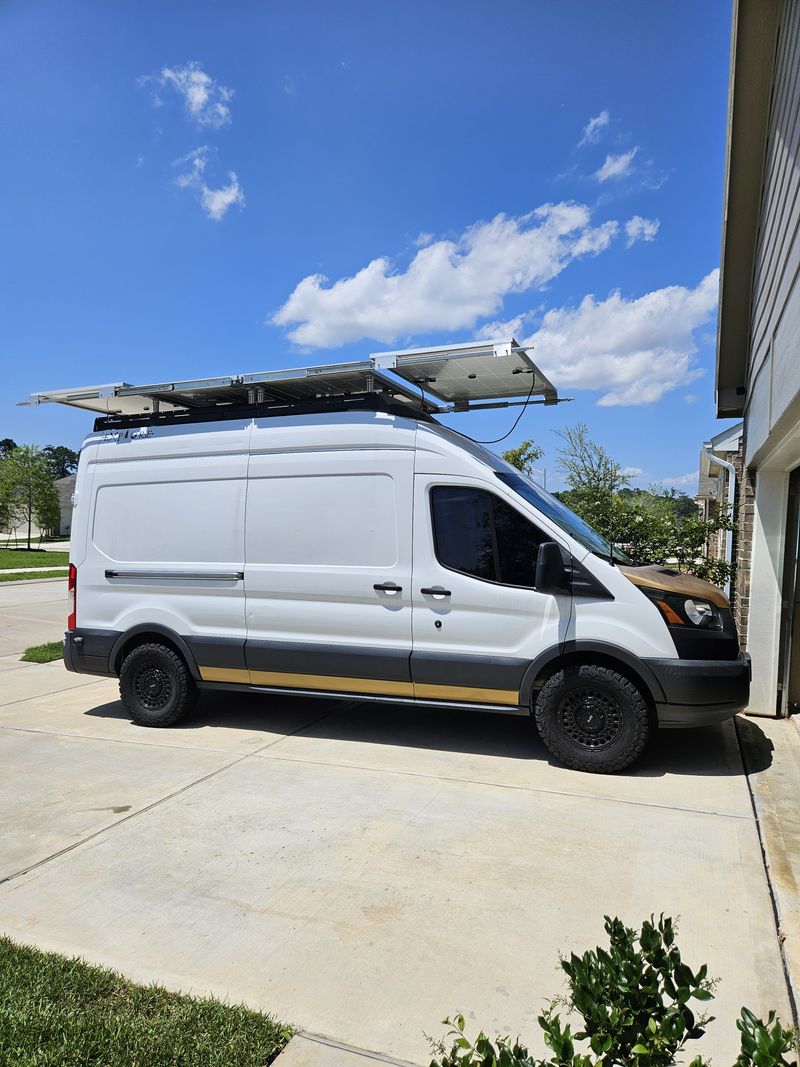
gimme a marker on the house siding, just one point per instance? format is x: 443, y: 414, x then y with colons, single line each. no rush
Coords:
x: 773, y: 379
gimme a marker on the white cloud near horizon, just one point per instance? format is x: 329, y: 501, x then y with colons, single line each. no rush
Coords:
x: 593, y: 128
x: 207, y: 101
x: 640, y: 229
x: 634, y: 350
x: 616, y: 167
x: 681, y: 480
x: 449, y: 284
x: 215, y: 202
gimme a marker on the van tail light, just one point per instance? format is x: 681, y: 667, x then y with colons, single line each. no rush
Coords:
x: 72, y: 596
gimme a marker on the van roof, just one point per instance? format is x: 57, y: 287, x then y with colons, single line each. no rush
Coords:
x: 421, y: 381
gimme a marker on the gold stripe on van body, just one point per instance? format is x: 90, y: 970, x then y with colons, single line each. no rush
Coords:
x: 225, y: 674
x: 469, y: 694
x: 332, y: 682
x: 370, y: 686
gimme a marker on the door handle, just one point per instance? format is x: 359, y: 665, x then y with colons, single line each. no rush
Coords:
x: 436, y: 592
x: 388, y: 587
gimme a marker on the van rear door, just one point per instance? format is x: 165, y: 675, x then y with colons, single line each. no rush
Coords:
x: 165, y: 546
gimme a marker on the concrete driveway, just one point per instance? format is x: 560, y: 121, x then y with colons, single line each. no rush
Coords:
x: 362, y: 871
x: 31, y: 613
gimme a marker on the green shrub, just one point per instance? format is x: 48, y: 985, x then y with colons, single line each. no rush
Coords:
x: 634, y: 998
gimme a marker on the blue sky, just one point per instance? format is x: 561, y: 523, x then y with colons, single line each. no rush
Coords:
x: 202, y: 188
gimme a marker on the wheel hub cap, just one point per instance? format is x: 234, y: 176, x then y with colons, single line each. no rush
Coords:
x: 152, y: 687
x: 590, y: 718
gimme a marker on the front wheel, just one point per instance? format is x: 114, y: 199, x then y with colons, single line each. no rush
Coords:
x: 155, y: 686
x: 593, y: 719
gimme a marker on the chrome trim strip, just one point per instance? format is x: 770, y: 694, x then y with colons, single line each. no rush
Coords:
x: 179, y: 576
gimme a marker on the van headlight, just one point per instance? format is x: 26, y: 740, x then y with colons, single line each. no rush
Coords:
x: 680, y: 610
x: 701, y: 613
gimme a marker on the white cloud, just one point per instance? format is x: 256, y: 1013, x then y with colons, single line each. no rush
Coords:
x: 215, y: 202
x: 632, y: 472
x: 448, y: 285
x: 591, y: 131
x: 691, y: 398
x: 423, y: 239
x: 616, y: 166
x: 640, y: 229
x: 681, y: 480
x: 634, y: 350
x: 513, y: 327
x: 206, y: 100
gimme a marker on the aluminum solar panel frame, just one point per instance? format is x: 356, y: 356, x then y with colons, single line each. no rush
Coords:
x: 116, y: 398
x: 465, y: 373
x: 335, y: 380
x: 342, y: 382
x: 422, y: 381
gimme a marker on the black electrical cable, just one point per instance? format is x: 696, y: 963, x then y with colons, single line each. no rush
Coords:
x: 497, y: 440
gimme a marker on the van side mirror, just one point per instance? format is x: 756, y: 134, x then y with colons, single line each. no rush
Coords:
x: 551, y: 574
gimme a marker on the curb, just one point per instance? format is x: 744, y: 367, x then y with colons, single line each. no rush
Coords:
x: 769, y: 791
x: 33, y: 581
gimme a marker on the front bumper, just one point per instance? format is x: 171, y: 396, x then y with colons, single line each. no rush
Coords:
x: 700, y: 692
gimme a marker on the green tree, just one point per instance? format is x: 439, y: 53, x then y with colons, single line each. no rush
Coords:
x: 655, y: 527
x: 658, y: 525
x: 62, y: 459
x: 524, y: 457
x: 593, y: 478
x: 27, y: 493
x: 6, y: 446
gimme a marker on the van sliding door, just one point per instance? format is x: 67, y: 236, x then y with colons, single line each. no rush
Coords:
x: 328, y: 567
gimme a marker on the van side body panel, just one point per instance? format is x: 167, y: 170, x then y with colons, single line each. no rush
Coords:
x: 165, y: 532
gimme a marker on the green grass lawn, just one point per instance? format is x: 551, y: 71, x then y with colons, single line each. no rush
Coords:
x: 59, y: 1012
x: 37, y: 557
x: 38, y: 574
x: 43, y: 653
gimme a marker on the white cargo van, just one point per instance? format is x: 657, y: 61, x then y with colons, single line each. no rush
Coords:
x: 318, y: 531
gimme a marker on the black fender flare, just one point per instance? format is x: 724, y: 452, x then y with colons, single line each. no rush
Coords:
x: 158, y: 631
x: 594, y: 651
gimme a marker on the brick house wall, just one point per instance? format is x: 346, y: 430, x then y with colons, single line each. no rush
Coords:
x: 712, y: 495
x: 743, y: 545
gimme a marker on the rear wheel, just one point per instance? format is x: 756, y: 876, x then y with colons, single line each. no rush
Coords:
x: 155, y: 686
x: 592, y: 718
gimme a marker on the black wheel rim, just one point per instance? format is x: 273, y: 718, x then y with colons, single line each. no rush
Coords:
x: 591, y: 718
x: 152, y: 686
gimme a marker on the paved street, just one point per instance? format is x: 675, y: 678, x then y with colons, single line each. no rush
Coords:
x: 364, y: 871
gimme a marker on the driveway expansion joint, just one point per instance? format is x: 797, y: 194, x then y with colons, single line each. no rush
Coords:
x: 157, y: 803
x: 507, y: 785
x: 296, y: 1054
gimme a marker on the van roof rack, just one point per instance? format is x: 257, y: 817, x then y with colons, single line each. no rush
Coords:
x: 421, y: 381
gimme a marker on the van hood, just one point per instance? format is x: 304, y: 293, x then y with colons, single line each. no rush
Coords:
x: 675, y: 582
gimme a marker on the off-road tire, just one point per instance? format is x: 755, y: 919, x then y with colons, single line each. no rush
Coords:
x: 155, y: 686
x: 593, y: 719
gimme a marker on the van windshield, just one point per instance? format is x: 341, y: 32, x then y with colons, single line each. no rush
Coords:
x: 560, y: 514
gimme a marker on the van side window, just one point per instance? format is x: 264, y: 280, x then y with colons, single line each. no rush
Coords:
x: 477, y: 533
